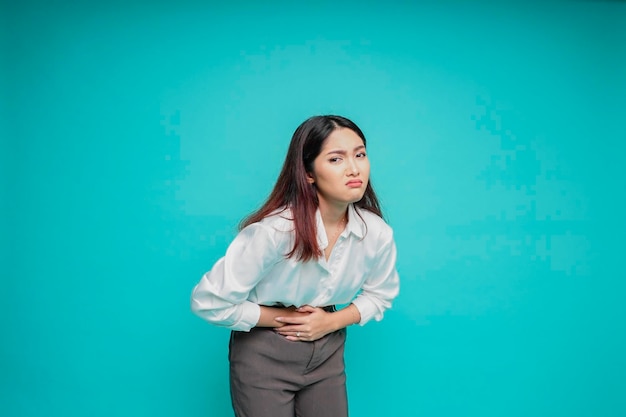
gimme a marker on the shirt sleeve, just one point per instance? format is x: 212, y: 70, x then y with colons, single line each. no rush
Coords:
x: 221, y: 296
x: 381, y: 286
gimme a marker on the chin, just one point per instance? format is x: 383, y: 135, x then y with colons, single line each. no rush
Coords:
x: 356, y: 200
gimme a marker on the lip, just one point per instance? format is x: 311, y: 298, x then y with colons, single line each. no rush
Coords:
x: 354, y: 183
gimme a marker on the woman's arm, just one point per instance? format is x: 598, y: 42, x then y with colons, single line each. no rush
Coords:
x: 221, y: 296
x: 381, y: 286
x: 269, y: 316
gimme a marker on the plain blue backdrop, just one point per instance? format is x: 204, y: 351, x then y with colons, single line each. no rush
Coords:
x: 135, y: 136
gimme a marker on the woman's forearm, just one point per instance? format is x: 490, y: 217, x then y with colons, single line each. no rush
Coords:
x: 345, y: 317
x: 269, y: 314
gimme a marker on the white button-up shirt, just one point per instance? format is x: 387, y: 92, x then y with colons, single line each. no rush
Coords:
x: 255, y: 271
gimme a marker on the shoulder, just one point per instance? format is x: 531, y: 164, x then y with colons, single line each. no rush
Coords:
x: 277, y: 227
x: 272, y: 231
x: 279, y: 221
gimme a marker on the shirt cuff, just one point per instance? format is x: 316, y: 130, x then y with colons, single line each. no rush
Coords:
x: 367, y: 309
x: 250, y: 315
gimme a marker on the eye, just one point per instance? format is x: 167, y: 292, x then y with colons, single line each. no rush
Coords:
x: 361, y: 155
x: 334, y: 159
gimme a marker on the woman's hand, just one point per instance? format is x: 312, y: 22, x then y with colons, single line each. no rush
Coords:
x: 313, y: 325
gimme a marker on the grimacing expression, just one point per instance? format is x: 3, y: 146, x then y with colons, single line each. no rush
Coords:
x: 341, y: 170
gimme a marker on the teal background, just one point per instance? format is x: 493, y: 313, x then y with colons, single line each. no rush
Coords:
x: 135, y: 136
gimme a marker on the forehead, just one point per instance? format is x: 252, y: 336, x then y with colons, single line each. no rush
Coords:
x: 342, y: 138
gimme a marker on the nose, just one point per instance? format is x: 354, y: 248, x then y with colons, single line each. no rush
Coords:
x: 353, y: 168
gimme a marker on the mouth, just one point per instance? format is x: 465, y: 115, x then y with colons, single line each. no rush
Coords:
x: 354, y: 183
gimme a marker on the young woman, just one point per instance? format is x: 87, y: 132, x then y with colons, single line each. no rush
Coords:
x: 318, y: 241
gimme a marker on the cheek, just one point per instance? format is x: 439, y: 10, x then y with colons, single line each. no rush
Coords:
x: 365, y: 168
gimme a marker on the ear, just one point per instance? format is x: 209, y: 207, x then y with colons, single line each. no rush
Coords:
x: 309, y: 177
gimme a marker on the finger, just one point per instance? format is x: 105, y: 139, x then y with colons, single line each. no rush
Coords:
x: 289, y: 330
x: 298, y: 338
x: 291, y: 335
x: 298, y: 334
x: 288, y: 327
x: 292, y: 320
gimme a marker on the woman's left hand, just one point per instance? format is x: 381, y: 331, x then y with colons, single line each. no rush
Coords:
x: 315, y: 325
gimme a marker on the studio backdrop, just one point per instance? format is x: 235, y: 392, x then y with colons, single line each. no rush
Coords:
x: 136, y: 135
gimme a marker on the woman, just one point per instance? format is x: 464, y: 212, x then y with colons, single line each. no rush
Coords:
x: 319, y: 240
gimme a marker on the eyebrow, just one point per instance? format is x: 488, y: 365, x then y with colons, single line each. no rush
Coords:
x: 342, y: 152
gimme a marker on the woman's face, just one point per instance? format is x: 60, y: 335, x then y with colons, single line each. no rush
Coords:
x: 341, y: 171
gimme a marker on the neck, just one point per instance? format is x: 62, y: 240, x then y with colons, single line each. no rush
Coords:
x: 331, y: 214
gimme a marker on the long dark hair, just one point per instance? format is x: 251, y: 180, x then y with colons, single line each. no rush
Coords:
x: 292, y: 190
